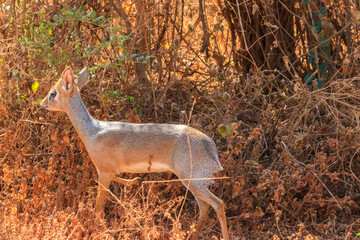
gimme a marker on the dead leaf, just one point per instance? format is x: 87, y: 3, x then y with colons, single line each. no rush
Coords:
x: 286, y: 158
x: 66, y: 137
x: 258, y: 214
x: 255, y: 8
x: 53, y: 136
x: 236, y: 189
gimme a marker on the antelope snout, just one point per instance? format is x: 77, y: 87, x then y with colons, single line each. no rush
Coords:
x: 44, y: 104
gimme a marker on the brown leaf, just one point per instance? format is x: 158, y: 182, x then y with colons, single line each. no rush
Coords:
x: 334, y: 177
x: 255, y: 134
x: 245, y: 216
x: 278, y: 214
x: 238, y: 147
x: 281, y: 189
x: 353, y: 204
x: 255, y: 8
x: 54, y: 136
x: 236, y: 189
x: 258, y: 214
x: 276, y: 196
x: 275, y: 177
x: 256, y: 150
x: 66, y: 137
x: 321, y: 159
x: 333, y: 143
x: 3, y: 110
x: 286, y: 157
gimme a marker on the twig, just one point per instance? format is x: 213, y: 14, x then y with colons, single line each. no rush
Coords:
x: 243, y: 34
x: 188, y: 44
x: 36, y: 154
x: 351, y: 161
x: 186, y: 179
x: 206, y: 41
x: 35, y: 122
x: 121, y: 12
x: 73, y: 231
x: 266, y: 148
x: 190, y: 156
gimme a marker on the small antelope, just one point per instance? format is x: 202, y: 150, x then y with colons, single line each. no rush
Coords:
x: 117, y: 147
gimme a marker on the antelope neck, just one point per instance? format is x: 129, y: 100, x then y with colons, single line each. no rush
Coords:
x: 84, y: 123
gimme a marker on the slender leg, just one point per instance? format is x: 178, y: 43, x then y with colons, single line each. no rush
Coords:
x: 220, y: 211
x: 104, y: 183
x: 217, y: 204
x: 133, y: 181
x: 204, y: 208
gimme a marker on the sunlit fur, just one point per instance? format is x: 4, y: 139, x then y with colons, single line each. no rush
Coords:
x: 117, y: 147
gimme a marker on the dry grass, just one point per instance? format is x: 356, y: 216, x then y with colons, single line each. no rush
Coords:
x: 293, y: 158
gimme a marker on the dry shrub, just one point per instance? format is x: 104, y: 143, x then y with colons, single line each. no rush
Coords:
x: 290, y: 149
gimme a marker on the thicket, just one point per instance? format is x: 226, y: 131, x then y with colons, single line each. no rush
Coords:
x: 274, y: 83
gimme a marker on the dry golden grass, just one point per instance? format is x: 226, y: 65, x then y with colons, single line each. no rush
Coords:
x: 292, y: 158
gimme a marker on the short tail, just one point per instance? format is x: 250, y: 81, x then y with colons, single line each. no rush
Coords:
x: 214, y: 155
x: 218, y: 161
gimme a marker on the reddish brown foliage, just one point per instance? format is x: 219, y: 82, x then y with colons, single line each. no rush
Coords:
x: 292, y: 157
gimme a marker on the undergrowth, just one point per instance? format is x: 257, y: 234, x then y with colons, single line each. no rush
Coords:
x: 288, y: 137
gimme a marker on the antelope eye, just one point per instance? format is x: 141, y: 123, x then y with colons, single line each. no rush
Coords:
x: 52, y: 94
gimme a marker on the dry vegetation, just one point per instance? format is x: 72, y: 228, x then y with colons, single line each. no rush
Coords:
x: 274, y: 83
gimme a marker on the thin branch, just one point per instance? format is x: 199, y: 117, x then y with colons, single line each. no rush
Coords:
x: 206, y: 41
x: 121, y: 12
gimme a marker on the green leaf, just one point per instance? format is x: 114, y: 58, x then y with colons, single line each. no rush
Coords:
x: 226, y: 130
x: 358, y: 234
x: 323, y: 11
x: 319, y: 83
x: 312, y: 57
x: 41, y: 14
x: 129, y: 98
x: 98, y: 18
x: 229, y: 129
x: 35, y: 86
x: 91, y: 15
x: 323, y: 66
x: 222, y: 130
x: 318, y: 26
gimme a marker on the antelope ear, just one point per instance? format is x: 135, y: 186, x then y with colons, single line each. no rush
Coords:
x: 82, y: 78
x: 67, y: 78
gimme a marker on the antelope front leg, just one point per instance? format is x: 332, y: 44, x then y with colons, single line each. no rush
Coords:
x: 103, y: 186
x: 133, y: 181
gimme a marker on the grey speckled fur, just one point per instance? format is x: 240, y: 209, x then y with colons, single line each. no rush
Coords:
x: 117, y: 147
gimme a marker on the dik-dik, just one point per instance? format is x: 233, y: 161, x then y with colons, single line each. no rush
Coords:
x: 117, y: 147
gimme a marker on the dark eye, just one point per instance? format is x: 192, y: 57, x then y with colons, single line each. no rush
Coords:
x: 52, y: 94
